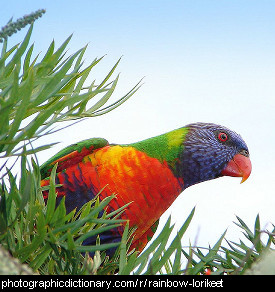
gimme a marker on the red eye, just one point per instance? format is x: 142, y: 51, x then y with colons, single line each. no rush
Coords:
x: 222, y: 137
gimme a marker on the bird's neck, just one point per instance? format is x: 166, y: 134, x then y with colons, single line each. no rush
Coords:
x: 167, y: 148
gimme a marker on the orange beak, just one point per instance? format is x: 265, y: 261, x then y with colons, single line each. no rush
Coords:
x: 239, y: 166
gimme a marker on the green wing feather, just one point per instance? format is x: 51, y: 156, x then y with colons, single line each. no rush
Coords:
x: 72, y: 154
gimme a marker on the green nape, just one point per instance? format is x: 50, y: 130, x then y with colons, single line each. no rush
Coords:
x: 165, y: 147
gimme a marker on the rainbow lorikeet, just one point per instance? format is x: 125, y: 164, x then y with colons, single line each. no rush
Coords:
x: 150, y: 173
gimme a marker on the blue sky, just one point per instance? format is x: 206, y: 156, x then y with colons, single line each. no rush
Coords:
x: 208, y: 61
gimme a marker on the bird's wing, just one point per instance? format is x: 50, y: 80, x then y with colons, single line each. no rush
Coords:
x: 71, y: 155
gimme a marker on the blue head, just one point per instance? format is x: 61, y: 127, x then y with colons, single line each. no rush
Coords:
x: 211, y: 151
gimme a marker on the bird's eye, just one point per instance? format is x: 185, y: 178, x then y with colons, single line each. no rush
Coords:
x: 222, y: 137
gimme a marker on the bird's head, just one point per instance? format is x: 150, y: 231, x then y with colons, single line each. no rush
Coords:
x: 212, y: 151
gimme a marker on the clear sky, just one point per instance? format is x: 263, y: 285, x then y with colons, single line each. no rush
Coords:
x: 203, y: 60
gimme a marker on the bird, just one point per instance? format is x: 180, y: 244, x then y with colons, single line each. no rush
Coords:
x: 147, y: 175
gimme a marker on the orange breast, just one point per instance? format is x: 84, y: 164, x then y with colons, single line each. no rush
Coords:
x: 134, y: 177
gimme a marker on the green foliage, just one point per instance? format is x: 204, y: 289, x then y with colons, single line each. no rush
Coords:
x: 237, y: 258
x: 44, y: 236
x: 157, y: 258
x: 42, y: 93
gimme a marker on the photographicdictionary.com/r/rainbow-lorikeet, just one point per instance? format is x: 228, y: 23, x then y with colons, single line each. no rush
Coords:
x: 149, y: 174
